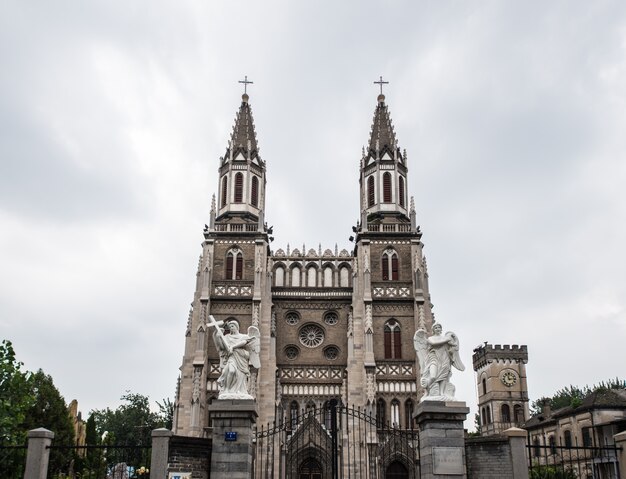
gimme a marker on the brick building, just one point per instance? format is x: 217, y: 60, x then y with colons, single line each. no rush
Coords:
x: 334, y: 324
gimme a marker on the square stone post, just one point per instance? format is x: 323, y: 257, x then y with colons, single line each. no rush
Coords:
x: 38, y: 453
x: 160, y: 452
x: 233, y: 447
x: 517, y: 442
x: 442, y: 439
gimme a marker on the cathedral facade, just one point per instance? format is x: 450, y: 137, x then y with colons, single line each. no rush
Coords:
x: 333, y: 324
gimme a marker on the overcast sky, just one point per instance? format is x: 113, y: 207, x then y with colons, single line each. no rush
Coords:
x: 113, y: 116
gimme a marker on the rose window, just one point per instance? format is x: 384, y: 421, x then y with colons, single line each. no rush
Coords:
x: 331, y: 318
x: 292, y: 352
x: 331, y: 353
x: 311, y: 335
x: 292, y: 317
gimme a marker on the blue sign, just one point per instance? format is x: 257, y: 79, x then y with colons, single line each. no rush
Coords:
x: 230, y: 436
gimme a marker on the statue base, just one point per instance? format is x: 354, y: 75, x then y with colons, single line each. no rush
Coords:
x: 233, y: 445
x: 442, y: 439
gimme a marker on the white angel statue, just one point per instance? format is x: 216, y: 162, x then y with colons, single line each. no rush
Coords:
x: 237, y: 353
x: 436, y: 355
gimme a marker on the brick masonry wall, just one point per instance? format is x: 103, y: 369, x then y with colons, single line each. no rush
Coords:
x: 488, y: 457
x: 190, y: 454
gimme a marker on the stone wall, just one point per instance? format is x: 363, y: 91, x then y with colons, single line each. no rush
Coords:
x: 488, y: 457
x: 190, y: 454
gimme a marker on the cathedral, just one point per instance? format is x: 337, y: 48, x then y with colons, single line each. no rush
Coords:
x: 334, y: 325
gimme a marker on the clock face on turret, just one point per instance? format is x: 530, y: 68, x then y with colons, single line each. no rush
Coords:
x: 508, y: 377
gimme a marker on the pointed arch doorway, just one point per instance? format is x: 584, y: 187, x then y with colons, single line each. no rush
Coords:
x: 310, y: 469
x: 396, y: 470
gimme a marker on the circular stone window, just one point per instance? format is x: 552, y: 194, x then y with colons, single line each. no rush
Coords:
x: 292, y: 317
x: 292, y: 352
x: 331, y: 353
x: 331, y: 318
x: 311, y: 335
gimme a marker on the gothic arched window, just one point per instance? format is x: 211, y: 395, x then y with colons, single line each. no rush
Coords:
x: 518, y: 414
x: 234, y: 264
x: 484, y: 386
x: 238, y: 187
x: 295, y: 276
x: 380, y: 412
x: 279, y: 276
x: 505, y: 412
x: 387, y: 187
x: 395, y: 413
x: 311, y: 274
x: 393, y: 340
x: 408, y: 412
x: 254, y: 194
x: 344, y: 277
x: 224, y: 191
x: 370, y: 192
x: 390, y: 265
x: 401, y: 190
x: 293, y: 413
x: 328, y: 277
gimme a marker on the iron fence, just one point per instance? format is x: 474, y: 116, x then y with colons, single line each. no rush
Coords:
x: 12, y: 461
x: 335, y: 442
x: 551, y: 461
x: 102, y: 462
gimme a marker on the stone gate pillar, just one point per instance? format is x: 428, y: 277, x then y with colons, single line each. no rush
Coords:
x: 233, y: 447
x: 442, y: 439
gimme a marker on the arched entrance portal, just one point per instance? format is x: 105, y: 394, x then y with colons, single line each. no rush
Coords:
x: 311, y: 469
x: 396, y: 470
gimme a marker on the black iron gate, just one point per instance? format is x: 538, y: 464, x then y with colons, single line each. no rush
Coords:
x: 336, y: 442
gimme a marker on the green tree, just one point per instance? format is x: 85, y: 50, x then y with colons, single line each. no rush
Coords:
x: 50, y: 411
x: 131, y: 423
x: 573, y: 395
x: 15, y: 401
x: 166, y: 412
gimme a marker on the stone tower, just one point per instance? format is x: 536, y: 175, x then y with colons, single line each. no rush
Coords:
x: 334, y: 324
x: 502, y: 387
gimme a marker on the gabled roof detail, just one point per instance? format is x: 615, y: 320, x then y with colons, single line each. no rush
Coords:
x: 383, y: 137
x: 243, y: 139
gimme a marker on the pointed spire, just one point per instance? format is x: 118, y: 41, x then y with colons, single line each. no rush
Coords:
x: 383, y: 137
x: 243, y: 139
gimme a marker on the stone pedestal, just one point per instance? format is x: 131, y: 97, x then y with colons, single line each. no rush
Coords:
x: 233, y: 447
x: 442, y: 439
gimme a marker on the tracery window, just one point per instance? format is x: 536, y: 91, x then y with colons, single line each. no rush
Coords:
x: 292, y: 318
x: 370, y: 192
x: 311, y: 335
x: 393, y: 340
x: 387, y: 187
x: 390, y: 265
x: 254, y: 193
x: 292, y: 352
x: 331, y: 353
x: 293, y: 413
x: 331, y: 318
x: 234, y: 264
x: 239, y: 187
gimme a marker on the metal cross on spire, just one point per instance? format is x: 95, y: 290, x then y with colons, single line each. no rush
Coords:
x: 381, y: 83
x: 245, y: 84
